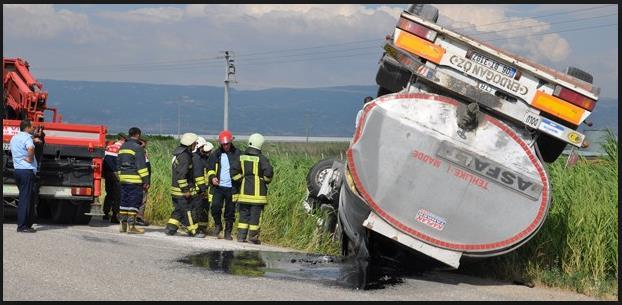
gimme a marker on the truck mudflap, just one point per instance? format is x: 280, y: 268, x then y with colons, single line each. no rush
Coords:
x: 481, y: 192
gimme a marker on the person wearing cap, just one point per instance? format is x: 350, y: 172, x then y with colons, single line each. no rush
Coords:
x: 200, y: 203
x: 254, y: 172
x: 134, y: 178
x: 140, y: 217
x: 113, y: 186
x: 224, y: 189
x: 183, y: 186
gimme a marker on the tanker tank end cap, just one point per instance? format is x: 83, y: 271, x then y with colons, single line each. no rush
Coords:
x: 585, y: 144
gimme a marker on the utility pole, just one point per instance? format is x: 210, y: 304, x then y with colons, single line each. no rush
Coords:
x: 308, y: 116
x: 178, y: 118
x: 229, y: 78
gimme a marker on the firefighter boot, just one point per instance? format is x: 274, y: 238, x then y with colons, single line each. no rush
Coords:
x: 132, y: 229
x: 122, y: 223
x: 242, y: 235
x: 228, y: 228
x: 253, y: 237
x: 217, y: 229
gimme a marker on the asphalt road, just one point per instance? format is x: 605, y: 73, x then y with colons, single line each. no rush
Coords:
x: 95, y: 262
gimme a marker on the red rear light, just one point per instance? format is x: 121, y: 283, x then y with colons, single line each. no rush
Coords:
x: 574, y: 98
x: 417, y: 29
x: 81, y: 191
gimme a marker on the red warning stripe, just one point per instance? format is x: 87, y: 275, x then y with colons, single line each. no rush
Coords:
x: 453, y: 246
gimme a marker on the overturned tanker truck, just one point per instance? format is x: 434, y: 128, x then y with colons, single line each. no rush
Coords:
x: 448, y: 160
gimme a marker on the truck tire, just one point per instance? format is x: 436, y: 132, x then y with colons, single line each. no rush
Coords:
x: 81, y: 208
x: 580, y: 74
x: 550, y: 148
x: 316, y: 175
x: 424, y: 11
x: 43, y: 209
x: 391, y: 75
x: 63, y: 211
x: 383, y: 91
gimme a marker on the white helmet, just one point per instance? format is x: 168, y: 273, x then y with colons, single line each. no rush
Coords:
x: 208, y: 146
x: 188, y: 138
x: 255, y: 141
x: 200, y: 142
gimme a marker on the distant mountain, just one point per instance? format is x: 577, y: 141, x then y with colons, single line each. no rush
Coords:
x: 328, y: 111
x: 154, y: 108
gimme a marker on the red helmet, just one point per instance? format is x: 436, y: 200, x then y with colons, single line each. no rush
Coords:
x: 224, y: 137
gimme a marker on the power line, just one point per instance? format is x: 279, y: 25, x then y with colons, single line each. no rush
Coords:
x: 533, y: 17
x: 539, y: 25
x: 555, y: 32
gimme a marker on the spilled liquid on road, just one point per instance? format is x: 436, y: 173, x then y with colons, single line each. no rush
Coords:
x: 330, y: 270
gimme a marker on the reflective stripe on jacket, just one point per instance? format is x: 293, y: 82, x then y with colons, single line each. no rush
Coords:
x: 182, y: 176
x: 255, y: 172
x: 131, y: 164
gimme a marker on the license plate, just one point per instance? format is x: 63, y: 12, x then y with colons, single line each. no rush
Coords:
x: 532, y: 120
x: 499, y: 67
x: 6, y: 146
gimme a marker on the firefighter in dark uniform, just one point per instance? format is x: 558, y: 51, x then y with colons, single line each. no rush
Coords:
x: 182, y: 186
x: 134, y: 178
x: 224, y: 189
x: 254, y: 172
x: 200, y: 203
x: 113, y: 187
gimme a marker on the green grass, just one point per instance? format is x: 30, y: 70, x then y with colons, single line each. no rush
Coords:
x: 577, y: 247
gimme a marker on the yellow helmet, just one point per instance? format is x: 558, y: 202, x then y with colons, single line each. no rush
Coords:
x: 255, y: 141
x: 188, y: 138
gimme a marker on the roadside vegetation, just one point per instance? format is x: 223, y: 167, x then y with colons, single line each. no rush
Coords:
x: 577, y: 247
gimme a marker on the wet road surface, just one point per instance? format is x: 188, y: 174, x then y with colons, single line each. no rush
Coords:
x: 95, y: 262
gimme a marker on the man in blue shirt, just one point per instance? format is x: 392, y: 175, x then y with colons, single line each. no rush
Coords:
x: 223, y: 190
x: 25, y: 165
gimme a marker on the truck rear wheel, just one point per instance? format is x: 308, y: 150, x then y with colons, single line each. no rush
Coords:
x: 81, y: 208
x: 316, y: 175
x: 63, y: 211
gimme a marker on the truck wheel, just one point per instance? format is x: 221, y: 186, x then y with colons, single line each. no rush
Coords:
x: 63, y: 211
x: 81, y: 208
x: 383, y: 91
x: 580, y: 74
x: 424, y: 11
x: 391, y: 75
x: 550, y: 148
x: 316, y: 175
x: 43, y: 209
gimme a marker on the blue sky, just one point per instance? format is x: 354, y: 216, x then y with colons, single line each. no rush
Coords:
x: 308, y: 45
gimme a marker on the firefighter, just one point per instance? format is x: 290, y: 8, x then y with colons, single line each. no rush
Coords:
x: 224, y: 189
x: 182, y: 186
x: 140, y: 217
x: 254, y: 172
x: 113, y: 187
x: 134, y: 178
x: 200, y: 203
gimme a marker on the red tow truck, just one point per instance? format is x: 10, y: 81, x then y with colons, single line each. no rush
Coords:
x: 70, y: 160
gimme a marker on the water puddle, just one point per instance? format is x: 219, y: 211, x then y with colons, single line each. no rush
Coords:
x: 331, y: 270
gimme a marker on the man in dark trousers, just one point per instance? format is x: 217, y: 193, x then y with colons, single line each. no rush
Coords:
x: 254, y: 172
x: 22, y: 147
x: 200, y: 203
x: 224, y: 189
x: 183, y: 187
x: 134, y: 177
x: 113, y: 186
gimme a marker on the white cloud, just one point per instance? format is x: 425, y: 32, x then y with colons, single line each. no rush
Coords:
x: 42, y: 21
x: 491, y: 22
x: 149, y: 15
